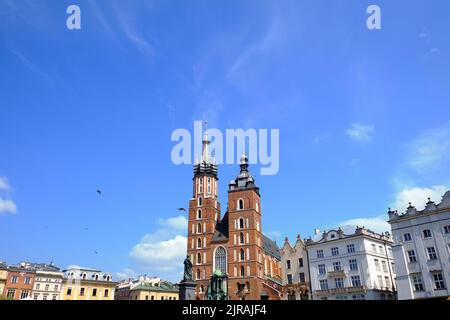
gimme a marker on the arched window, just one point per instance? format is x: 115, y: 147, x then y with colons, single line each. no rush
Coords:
x: 199, y: 228
x: 209, y: 184
x: 108, y: 277
x: 242, y: 255
x: 241, y: 223
x: 220, y: 260
x: 199, y: 214
x: 201, y: 184
x: 200, y: 201
x: 247, y: 285
x: 96, y: 277
x: 242, y: 271
x: 241, y: 238
x: 199, y: 243
x: 240, y: 204
x: 198, y: 274
x: 199, y: 258
x: 84, y: 276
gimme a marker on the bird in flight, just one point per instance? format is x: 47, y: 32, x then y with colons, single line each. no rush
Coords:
x: 181, y: 209
x: 96, y: 252
x: 99, y: 192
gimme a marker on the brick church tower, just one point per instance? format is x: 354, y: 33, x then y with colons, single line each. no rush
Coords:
x: 233, y: 245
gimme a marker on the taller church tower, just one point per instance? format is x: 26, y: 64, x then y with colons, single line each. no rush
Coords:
x: 204, y: 213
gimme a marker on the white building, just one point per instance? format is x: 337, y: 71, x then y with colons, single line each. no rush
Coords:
x: 351, y: 263
x: 48, y: 283
x: 421, y: 250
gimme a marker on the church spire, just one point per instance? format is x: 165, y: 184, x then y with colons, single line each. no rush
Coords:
x: 205, y: 148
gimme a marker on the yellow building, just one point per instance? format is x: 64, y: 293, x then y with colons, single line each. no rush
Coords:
x: 87, y: 284
x: 163, y: 291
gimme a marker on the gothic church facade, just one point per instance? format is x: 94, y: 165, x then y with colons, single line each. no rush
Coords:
x: 232, y: 244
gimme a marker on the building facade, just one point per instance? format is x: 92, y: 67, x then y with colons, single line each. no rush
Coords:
x: 233, y: 244
x: 159, y: 291
x: 422, y: 250
x: 351, y: 263
x: 87, y: 284
x: 3, y: 276
x: 295, y: 270
x: 124, y: 287
x: 48, y: 282
x: 19, y: 282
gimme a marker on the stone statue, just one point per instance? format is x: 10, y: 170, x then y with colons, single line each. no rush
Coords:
x: 187, y: 269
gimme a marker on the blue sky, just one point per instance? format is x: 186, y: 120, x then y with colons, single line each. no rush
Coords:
x: 364, y: 118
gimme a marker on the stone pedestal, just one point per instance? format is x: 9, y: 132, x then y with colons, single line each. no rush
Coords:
x: 187, y: 290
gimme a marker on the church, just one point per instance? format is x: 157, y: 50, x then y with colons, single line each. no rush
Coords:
x: 232, y: 247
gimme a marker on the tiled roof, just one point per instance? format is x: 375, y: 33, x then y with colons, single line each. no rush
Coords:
x: 271, y: 248
x: 221, y: 230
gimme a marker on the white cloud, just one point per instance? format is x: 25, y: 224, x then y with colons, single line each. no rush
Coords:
x: 7, y: 205
x: 4, y: 185
x: 162, y: 252
x: 419, y: 196
x: 360, y: 133
x: 126, y: 273
x: 430, y: 151
x: 163, y: 255
x: 178, y: 223
x: 378, y: 224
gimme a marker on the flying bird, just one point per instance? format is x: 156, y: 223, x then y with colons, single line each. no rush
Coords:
x: 99, y: 192
x: 181, y: 209
x: 95, y: 252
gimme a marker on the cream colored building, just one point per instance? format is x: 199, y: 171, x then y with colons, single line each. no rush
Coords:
x: 3, y: 276
x: 295, y: 274
x: 87, y: 284
x: 162, y: 291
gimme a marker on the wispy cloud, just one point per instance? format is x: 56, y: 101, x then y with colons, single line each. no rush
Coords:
x: 430, y: 151
x: 7, y: 205
x: 133, y: 34
x: 378, y: 224
x: 360, y: 133
x: 4, y: 184
x: 30, y: 65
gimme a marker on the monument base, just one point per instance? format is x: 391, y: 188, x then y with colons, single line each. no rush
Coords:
x: 187, y: 290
